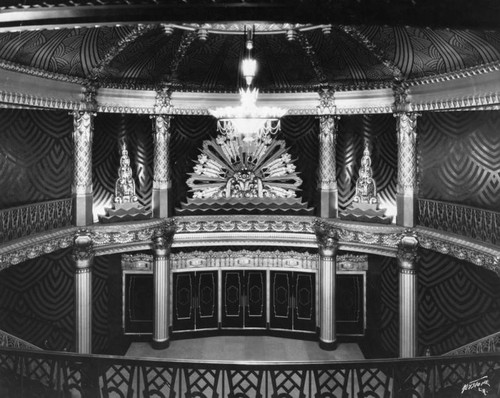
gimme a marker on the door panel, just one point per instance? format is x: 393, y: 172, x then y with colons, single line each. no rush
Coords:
x: 304, y: 300
x: 206, y: 289
x: 350, y: 304
x: 281, y: 300
x: 183, y: 301
x: 232, y: 299
x: 255, y: 299
x: 138, y: 303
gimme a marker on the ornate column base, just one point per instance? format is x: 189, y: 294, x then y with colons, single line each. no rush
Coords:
x: 161, y: 203
x: 160, y: 345
x: 328, y: 345
x: 406, y: 210
x: 328, y: 203
x: 82, y: 209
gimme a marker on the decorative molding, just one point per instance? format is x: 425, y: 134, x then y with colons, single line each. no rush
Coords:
x: 468, y: 221
x: 484, y: 255
x: 489, y: 343
x: 32, y: 100
x: 26, y: 220
x: 29, y: 70
x: 9, y: 341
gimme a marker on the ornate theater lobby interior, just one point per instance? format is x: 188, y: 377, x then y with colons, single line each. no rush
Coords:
x: 246, y: 348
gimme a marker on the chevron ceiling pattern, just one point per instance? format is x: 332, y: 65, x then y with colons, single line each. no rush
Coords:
x: 342, y: 56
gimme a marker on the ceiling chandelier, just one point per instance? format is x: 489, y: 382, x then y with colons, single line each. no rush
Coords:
x: 247, y: 121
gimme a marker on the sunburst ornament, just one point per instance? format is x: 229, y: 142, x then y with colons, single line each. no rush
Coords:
x: 226, y: 171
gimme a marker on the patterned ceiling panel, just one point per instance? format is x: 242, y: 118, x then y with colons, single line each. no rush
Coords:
x: 421, y: 52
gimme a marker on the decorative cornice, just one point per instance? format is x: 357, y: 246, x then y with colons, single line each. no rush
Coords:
x: 29, y: 70
x: 482, y: 254
x: 474, y: 102
x: 364, y: 110
x: 29, y: 100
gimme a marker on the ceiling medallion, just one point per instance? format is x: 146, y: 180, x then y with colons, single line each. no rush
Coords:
x: 248, y: 122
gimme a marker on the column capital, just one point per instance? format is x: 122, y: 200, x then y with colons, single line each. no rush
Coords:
x: 162, y: 239
x: 163, y: 100
x: 327, y: 101
x: 407, y: 254
x: 327, y: 238
x: 83, y: 250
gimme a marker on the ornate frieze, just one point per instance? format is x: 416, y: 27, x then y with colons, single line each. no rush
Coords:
x: 487, y: 256
x: 407, y: 152
x: 82, y: 138
x: 327, y: 174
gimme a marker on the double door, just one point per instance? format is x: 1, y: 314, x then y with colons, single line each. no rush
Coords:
x: 195, y: 300
x: 243, y: 299
x: 293, y: 300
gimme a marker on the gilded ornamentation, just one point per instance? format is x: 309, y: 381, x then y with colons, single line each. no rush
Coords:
x: 407, y: 253
x: 163, y: 101
x: 468, y: 221
x: 407, y: 152
x: 161, y: 179
x: 400, y: 91
x: 162, y: 238
x: 187, y: 40
x: 83, y: 248
x: 89, y: 102
x: 328, y: 238
x: 366, y: 189
x: 82, y: 137
x: 228, y: 168
x: 327, y: 174
x: 125, y: 184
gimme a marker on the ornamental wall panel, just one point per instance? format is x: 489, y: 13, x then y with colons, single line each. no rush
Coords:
x: 459, y: 158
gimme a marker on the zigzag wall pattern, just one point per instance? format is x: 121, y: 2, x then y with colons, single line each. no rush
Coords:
x: 460, y: 158
x: 35, y: 156
x: 380, y: 132
x: 37, y: 302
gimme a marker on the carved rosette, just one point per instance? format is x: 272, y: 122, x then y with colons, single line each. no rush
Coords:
x: 162, y: 240
x: 407, y: 152
x: 328, y: 239
x: 83, y: 251
x: 83, y: 123
x: 327, y: 173
x: 407, y: 254
x: 161, y: 179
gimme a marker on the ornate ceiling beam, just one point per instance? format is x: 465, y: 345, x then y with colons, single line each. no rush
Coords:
x: 171, y: 74
x: 313, y: 58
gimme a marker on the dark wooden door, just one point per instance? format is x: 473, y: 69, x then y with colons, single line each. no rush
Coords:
x: 304, y: 297
x: 206, y: 300
x: 232, y: 299
x: 255, y: 299
x: 184, y: 301
x: 350, y: 304
x: 281, y: 316
x: 138, y: 304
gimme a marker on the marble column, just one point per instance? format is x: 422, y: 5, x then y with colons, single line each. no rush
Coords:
x: 406, y: 195
x: 408, y: 297
x: 83, y: 123
x: 328, y: 248
x: 327, y: 178
x: 83, y: 257
x: 161, y: 181
x: 161, y: 278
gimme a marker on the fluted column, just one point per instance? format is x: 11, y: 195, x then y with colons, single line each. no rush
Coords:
x: 327, y: 175
x: 328, y: 248
x: 161, y: 276
x: 161, y: 180
x: 83, y: 124
x: 83, y: 257
x: 406, y: 195
x: 408, y: 299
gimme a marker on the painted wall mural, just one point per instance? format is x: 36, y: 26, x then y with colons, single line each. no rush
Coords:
x: 35, y: 156
x: 460, y: 158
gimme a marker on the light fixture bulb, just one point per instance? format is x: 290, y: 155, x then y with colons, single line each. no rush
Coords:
x: 249, y: 69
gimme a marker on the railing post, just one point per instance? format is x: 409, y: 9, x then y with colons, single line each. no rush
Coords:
x: 408, y: 311
x: 83, y: 256
x: 162, y: 239
x: 406, y: 195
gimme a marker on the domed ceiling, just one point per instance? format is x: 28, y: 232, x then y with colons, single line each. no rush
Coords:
x: 87, y: 41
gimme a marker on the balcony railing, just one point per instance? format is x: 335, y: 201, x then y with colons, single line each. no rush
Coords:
x: 9, y: 341
x: 28, y: 373
x: 487, y: 344
x: 21, y: 221
x: 468, y: 221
